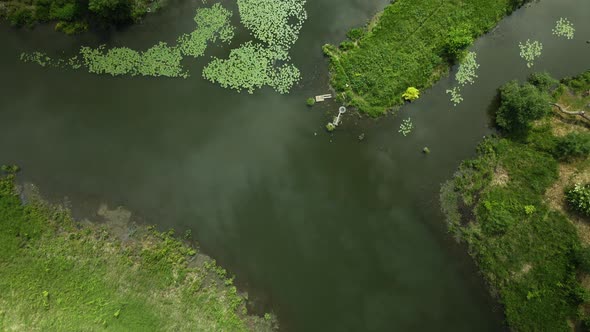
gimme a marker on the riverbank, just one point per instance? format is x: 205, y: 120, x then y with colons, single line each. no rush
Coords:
x: 508, y: 205
x: 72, y: 16
x: 409, y: 44
x: 59, y: 274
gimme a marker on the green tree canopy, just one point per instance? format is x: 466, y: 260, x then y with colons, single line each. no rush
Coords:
x: 111, y: 10
x: 519, y: 105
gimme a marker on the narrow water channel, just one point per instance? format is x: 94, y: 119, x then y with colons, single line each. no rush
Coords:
x: 333, y: 233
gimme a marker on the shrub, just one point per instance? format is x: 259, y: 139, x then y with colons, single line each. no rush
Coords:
x: 347, y: 45
x: 22, y: 16
x: 582, y: 259
x: 543, y: 81
x: 494, y: 217
x: 519, y: 106
x: 578, y: 197
x: 70, y: 28
x: 355, y: 34
x: 411, y: 94
x: 330, y: 127
x: 64, y: 12
x: 457, y: 40
x: 310, y: 101
x: 573, y: 145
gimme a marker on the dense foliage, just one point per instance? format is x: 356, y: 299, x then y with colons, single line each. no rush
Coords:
x: 411, y: 44
x: 573, y: 145
x: 73, y: 15
x: 529, y: 253
x: 519, y: 105
x: 578, y: 198
x: 58, y: 275
x: 276, y: 24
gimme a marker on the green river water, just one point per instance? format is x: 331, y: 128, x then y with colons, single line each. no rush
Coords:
x: 330, y: 233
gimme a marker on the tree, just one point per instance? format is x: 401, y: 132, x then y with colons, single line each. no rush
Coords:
x: 519, y: 106
x: 117, y: 11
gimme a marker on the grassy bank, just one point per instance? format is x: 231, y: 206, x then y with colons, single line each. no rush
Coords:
x: 410, y: 44
x: 59, y: 275
x: 71, y: 16
x: 508, y: 205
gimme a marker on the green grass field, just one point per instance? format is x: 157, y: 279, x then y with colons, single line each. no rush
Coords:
x: 56, y: 275
x: 411, y: 43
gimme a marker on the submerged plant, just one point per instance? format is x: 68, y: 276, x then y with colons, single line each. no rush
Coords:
x: 466, y: 72
x: 564, y: 28
x: 530, y: 51
x: 456, y: 97
x: 406, y: 127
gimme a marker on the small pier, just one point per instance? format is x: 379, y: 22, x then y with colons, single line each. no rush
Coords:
x: 322, y: 97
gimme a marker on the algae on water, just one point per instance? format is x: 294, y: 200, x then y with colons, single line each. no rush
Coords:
x: 213, y: 24
x: 276, y: 25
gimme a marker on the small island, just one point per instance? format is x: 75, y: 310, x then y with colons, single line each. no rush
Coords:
x: 522, y: 205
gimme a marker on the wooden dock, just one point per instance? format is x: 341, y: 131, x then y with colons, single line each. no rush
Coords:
x: 322, y: 97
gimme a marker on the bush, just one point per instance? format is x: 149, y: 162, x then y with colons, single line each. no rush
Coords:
x: 519, y: 106
x: 310, y: 101
x: 494, y: 217
x: 582, y: 259
x: 22, y: 16
x: 458, y: 39
x: 70, y: 28
x: 573, y: 145
x: 578, y: 197
x: 543, y: 81
x: 347, y: 45
x: 411, y: 94
x: 63, y: 12
x: 355, y: 34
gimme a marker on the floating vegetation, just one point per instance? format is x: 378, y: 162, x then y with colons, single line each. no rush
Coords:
x: 456, y: 97
x: 248, y: 67
x: 530, y: 51
x: 160, y: 60
x: 406, y: 127
x: 564, y: 28
x: 275, y: 23
x: 212, y: 24
x: 466, y: 72
x: 43, y: 60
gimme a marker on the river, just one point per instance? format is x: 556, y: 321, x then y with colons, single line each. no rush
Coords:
x: 332, y: 233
